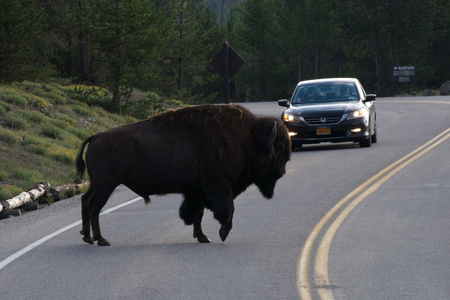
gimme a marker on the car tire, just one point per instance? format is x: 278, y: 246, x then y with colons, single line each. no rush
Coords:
x: 296, y: 145
x: 366, y: 143
x: 374, y: 137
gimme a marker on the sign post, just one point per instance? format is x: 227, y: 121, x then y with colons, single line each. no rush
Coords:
x: 404, y: 74
x: 339, y: 57
x: 227, y: 63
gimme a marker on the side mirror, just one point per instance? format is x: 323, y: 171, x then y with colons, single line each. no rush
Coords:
x: 283, y: 102
x: 370, y: 97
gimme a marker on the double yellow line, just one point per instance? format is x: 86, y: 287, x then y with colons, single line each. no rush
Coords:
x: 345, y: 206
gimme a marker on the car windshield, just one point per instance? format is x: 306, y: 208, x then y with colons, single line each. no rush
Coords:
x: 321, y: 92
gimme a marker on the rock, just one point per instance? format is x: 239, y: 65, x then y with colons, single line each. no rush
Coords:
x: 429, y: 92
x: 445, y: 88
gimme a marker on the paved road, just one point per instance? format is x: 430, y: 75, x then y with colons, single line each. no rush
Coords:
x: 391, y: 244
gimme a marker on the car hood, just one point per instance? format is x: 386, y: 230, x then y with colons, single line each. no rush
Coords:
x: 326, y: 109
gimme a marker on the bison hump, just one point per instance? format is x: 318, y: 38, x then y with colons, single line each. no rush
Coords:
x: 204, y: 115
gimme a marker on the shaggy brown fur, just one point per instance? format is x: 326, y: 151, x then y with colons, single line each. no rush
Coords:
x: 208, y: 153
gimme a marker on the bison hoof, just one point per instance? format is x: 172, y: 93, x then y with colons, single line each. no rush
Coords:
x: 203, y: 239
x: 223, y: 234
x: 88, y: 240
x: 103, y: 243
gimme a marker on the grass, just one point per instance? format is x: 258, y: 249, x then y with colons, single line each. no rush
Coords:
x: 42, y: 126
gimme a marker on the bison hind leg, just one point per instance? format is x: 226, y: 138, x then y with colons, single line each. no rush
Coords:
x: 86, y: 222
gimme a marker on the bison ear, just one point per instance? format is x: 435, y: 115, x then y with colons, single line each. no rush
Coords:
x: 264, y: 135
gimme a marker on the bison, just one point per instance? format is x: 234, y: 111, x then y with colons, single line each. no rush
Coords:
x: 209, y: 153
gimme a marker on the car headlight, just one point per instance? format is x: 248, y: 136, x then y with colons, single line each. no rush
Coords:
x: 357, y: 114
x: 292, y: 118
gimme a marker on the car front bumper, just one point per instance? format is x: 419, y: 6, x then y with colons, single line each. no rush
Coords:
x: 346, y: 131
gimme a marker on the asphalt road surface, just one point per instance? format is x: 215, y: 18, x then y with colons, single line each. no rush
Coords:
x: 345, y: 223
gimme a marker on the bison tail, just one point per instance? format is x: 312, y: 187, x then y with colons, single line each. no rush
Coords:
x: 79, y: 162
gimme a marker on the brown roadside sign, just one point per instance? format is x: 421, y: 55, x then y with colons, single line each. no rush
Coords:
x: 234, y: 61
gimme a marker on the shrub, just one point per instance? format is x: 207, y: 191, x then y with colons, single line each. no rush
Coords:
x: 69, y: 140
x: 38, y: 149
x: 36, y: 101
x: 60, y: 123
x: 32, y: 115
x: 54, y: 96
x: 27, y: 85
x: 26, y: 177
x: 5, y: 105
x: 52, y: 131
x: 31, y: 139
x: 62, y: 154
x: 3, y: 174
x: 16, y: 121
x: 81, y: 134
x: 58, y: 99
x: 16, y: 99
x: 82, y: 110
x: 8, y: 136
x: 9, y: 191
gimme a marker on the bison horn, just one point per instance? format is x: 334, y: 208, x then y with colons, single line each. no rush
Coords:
x: 273, y: 134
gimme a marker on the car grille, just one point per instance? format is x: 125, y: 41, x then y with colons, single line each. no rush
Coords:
x: 323, y: 120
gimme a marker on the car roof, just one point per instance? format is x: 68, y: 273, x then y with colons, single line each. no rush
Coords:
x: 337, y: 79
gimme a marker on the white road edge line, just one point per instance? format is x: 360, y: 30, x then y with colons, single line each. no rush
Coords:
x: 39, y: 242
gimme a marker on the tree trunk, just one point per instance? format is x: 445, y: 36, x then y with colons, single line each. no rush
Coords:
x: 25, y: 197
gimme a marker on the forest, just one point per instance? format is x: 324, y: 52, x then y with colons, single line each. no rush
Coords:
x: 166, y: 46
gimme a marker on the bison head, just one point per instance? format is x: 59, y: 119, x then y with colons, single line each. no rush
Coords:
x: 272, y: 150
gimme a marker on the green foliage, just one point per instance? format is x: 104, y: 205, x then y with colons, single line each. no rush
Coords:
x: 147, y: 106
x: 38, y: 149
x: 82, y: 110
x: 167, y: 46
x: 26, y: 174
x: 16, y: 121
x: 8, y: 136
x: 260, y: 42
x: 34, y: 116
x: 39, y: 142
x: 92, y: 96
x: 62, y: 154
x: 4, y: 107
x: 9, y: 191
x: 22, y: 40
x: 52, y: 131
x: 16, y: 99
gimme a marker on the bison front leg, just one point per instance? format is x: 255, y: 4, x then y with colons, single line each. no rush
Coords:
x: 198, y: 232
x: 227, y: 225
x: 191, y: 212
x: 223, y: 209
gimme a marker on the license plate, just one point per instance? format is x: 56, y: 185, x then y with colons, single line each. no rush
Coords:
x: 323, y: 131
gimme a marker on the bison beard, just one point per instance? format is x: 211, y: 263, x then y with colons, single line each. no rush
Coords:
x: 208, y: 153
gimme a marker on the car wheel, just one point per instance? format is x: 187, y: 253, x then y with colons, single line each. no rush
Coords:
x: 366, y: 143
x: 296, y: 145
x: 374, y: 135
